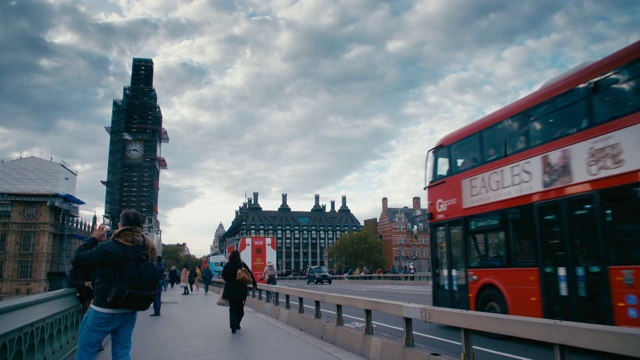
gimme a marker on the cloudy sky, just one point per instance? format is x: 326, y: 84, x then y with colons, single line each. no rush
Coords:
x: 299, y: 97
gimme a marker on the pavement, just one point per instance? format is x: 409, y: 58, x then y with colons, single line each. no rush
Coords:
x: 193, y: 327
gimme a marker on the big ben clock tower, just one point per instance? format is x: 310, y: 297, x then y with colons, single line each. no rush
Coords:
x: 135, y: 161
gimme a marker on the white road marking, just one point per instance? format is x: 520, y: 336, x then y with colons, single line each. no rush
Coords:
x: 359, y: 325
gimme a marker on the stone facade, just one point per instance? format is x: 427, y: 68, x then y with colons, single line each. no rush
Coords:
x: 39, y: 225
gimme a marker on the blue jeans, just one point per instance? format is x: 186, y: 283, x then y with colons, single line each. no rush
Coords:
x: 96, y: 325
x: 158, y: 300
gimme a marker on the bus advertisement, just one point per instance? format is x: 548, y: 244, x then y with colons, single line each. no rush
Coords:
x: 216, y: 263
x: 534, y: 209
x: 256, y: 252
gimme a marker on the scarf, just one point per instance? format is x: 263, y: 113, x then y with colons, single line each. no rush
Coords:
x: 131, y: 235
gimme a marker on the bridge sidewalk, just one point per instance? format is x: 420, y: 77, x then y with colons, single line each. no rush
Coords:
x: 193, y: 327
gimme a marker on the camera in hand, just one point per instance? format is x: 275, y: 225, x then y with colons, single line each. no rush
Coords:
x: 109, y: 233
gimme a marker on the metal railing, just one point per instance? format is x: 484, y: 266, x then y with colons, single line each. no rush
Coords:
x: 42, y: 326
x: 409, y: 278
x: 563, y: 335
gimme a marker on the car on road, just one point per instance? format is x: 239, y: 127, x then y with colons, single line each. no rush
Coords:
x: 318, y: 275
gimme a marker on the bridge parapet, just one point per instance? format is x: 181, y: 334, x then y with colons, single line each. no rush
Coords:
x: 562, y: 335
x: 42, y: 326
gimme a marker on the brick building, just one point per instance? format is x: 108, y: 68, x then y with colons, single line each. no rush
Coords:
x: 405, y: 234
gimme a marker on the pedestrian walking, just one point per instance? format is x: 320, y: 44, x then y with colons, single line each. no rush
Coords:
x: 206, y: 276
x: 234, y: 290
x: 198, y: 274
x: 173, y: 276
x: 157, y: 302
x: 192, y: 278
x: 184, y: 279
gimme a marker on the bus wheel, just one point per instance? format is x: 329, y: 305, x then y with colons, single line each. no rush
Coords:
x: 492, y: 301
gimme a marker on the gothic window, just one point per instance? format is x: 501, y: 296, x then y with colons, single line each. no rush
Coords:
x: 25, y: 268
x: 30, y: 212
x: 5, y: 209
x: 28, y: 242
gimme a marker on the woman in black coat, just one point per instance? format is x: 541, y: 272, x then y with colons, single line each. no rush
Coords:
x: 234, y: 290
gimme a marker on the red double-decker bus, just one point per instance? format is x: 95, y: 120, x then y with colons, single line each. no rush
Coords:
x: 535, y: 209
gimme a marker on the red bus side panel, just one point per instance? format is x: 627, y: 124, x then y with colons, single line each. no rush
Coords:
x: 625, y: 292
x: 520, y: 288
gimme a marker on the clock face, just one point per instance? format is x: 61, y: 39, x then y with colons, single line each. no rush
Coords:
x: 134, y: 150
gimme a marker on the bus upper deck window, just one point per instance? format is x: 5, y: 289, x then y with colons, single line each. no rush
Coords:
x: 465, y: 153
x: 516, y: 129
x: 563, y: 115
x: 617, y: 95
x: 505, y: 138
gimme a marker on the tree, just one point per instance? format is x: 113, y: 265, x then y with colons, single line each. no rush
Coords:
x: 358, y: 249
x: 190, y: 260
x: 171, y: 257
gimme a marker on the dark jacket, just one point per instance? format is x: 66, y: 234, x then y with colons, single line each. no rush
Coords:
x: 109, y: 257
x: 160, y: 271
x: 206, y: 276
x: 192, y: 276
x: 173, y: 275
x: 234, y: 289
x: 77, y: 279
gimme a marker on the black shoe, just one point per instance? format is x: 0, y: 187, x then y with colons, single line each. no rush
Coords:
x: 154, y: 314
x: 233, y: 331
x: 101, y: 348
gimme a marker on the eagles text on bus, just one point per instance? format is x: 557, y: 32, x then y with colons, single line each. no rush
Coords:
x: 501, y: 179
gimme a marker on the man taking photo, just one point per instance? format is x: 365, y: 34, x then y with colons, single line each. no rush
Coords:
x: 109, y: 256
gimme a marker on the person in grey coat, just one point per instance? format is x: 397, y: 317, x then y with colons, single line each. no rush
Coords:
x: 234, y: 290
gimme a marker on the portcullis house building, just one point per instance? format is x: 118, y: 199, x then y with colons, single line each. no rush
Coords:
x: 302, y: 237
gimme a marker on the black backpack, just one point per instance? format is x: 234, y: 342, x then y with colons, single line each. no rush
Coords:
x: 136, y: 284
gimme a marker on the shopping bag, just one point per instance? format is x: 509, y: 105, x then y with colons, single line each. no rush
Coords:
x: 222, y: 302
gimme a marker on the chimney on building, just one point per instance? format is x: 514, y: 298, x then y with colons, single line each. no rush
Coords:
x: 316, y: 206
x: 256, y: 204
x: 416, y: 203
x: 344, y: 207
x: 333, y: 206
x: 284, y: 206
x: 385, y: 204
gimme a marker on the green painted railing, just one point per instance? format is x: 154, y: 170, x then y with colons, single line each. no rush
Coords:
x: 43, y: 326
